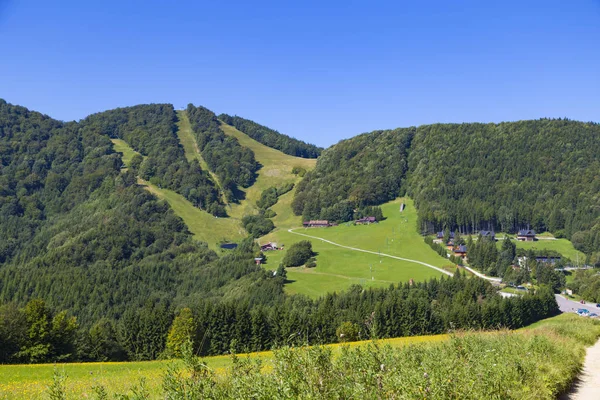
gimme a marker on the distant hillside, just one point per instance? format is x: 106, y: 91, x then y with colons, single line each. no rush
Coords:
x: 79, y: 232
x: 272, y: 138
x: 233, y: 163
x: 365, y: 170
x: 150, y: 130
x: 544, y: 174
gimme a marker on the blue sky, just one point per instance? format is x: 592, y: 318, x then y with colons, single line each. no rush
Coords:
x: 321, y: 71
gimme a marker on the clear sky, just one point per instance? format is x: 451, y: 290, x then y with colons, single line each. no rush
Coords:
x: 317, y: 70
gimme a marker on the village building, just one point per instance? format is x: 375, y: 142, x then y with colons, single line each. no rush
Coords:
x: 488, y: 234
x: 440, y: 235
x: 366, y: 221
x: 526, y: 235
x: 547, y: 260
x: 268, y: 246
x: 318, y: 223
x: 460, y: 251
x: 258, y: 260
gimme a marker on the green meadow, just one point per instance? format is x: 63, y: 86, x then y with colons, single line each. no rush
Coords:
x: 338, y: 268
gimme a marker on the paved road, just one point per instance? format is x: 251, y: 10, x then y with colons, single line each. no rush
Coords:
x: 567, y: 305
x: 372, y: 252
x: 479, y: 274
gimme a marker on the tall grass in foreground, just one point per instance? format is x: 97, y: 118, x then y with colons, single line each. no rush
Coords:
x: 539, y: 363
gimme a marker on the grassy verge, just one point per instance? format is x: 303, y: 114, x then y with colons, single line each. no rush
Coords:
x: 536, y: 362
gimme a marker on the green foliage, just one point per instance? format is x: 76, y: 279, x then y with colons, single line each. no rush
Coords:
x: 233, y: 164
x: 270, y: 195
x: 586, y: 284
x: 347, y: 332
x: 57, y: 390
x: 507, y: 176
x: 272, y: 138
x: 299, y: 171
x: 365, y: 170
x: 298, y: 254
x: 181, y: 333
x: 151, y: 131
x: 257, y: 225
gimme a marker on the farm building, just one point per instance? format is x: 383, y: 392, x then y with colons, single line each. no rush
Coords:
x: 526, y: 235
x: 318, y: 223
x: 460, y: 251
x: 547, y: 260
x: 440, y: 235
x: 268, y: 246
x: 488, y: 234
x: 366, y: 221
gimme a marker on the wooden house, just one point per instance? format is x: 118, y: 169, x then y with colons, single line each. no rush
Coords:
x: 268, y: 246
x: 460, y: 251
x: 366, y: 221
x: 317, y: 223
x: 488, y: 234
x: 526, y: 235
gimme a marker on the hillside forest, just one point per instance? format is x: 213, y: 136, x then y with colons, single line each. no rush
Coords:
x: 94, y: 267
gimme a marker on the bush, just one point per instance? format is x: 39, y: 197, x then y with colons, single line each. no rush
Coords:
x: 298, y: 254
x: 347, y: 332
x: 257, y: 225
x: 299, y: 171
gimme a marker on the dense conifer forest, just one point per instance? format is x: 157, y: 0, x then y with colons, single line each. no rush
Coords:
x: 272, y: 138
x: 234, y: 164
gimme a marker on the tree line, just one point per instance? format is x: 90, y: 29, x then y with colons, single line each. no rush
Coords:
x: 231, y: 162
x: 158, y: 329
x: 272, y: 138
x: 151, y: 131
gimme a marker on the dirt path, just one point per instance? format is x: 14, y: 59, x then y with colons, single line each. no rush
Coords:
x: 588, y: 385
x: 373, y: 252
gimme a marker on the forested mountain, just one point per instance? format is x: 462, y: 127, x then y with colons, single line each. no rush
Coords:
x: 150, y: 130
x: 234, y: 164
x: 82, y: 235
x: 365, y: 170
x: 543, y: 174
x: 272, y: 138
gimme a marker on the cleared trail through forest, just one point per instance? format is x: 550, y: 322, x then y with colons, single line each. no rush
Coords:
x: 190, y: 147
x: 372, y: 252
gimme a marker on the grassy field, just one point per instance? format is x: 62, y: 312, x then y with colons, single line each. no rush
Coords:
x: 31, y: 381
x: 122, y: 147
x: 276, y: 170
x: 338, y: 268
x: 563, y: 246
x: 201, y: 224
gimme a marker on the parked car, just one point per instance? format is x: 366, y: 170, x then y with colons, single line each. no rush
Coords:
x: 593, y: 315
x: 598, y: 305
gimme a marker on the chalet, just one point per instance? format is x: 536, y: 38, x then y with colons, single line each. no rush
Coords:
x: 268, y: 246
x: 526, y: 235
x: 258, y: 260
x: 488, y: 234
x: 460, y: 251
x: 440, y: 235
x: 547, y: 260
x: 366, y: 221
x: 318, y: 223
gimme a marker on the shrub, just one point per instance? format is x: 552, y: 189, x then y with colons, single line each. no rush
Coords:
x: 347, y: 332
x: 257, y: 225
x: 298, y: 254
